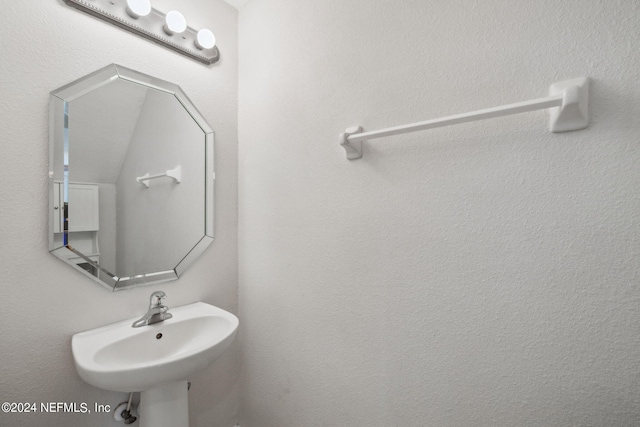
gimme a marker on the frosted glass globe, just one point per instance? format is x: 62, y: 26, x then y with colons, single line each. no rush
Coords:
x: 138, y: 8
x: 205, y: 39
x: 175, y: 23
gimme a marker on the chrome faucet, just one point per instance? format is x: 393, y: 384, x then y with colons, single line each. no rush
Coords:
x: 158, y: 312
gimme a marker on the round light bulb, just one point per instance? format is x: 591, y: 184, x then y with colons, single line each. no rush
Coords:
x: 205, y: 39
x: 174, y: 23
x: 138, y: 8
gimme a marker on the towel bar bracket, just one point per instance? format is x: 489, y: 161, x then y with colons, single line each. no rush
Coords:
x: 573, y: 114
x: 353, y: 149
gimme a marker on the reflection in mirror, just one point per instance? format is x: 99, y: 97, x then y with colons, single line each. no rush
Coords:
x: 131, y: 178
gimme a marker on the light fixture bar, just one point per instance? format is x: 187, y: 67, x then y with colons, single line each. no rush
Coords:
x: 149, y: 27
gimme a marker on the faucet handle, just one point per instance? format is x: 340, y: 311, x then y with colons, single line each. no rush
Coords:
x: 157, y: 298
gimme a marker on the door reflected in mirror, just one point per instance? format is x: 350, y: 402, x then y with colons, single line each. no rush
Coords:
x: 131, y: 178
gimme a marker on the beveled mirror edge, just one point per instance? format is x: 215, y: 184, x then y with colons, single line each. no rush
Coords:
x: 210, y: 185
x: 104, y: 280
x: 77, y: 88
x: 144, y: 79
x: 125, y: 283
x: 53, y: 108
x: 193, y: 111
x: 193, y: 254
x: 85, y: 84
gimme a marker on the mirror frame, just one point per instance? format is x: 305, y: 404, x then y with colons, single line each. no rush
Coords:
x: 58, y: 100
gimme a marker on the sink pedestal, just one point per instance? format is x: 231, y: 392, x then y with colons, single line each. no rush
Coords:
x: 165, y: 406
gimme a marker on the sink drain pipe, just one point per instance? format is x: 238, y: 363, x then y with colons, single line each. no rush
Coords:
x: 123, y: 412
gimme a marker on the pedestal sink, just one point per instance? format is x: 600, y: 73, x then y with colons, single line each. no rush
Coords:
x: 155, y: 360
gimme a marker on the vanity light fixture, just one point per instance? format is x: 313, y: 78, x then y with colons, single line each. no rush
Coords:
x: 169, y: 30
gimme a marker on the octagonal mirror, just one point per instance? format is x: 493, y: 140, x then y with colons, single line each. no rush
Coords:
x: 131, y: 178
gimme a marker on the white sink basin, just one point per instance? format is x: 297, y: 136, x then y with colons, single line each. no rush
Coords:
x: 119, y: 357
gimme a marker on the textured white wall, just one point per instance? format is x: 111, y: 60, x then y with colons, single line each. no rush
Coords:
x: 484, y: 274
x: 43, y: 302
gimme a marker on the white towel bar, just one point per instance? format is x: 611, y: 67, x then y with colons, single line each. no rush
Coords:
x: 176, y: 174
x: 568, y: 100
